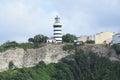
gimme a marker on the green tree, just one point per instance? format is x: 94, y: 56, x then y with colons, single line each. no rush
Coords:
x: 116, y: 47
x: 68, y: 47
x: 31, y: 40
x: 90, y: 41
x: 11, y: 65
x: 80, y: 66
x: 69, y: 38
x: 38, y: 38
x: 10, y: 44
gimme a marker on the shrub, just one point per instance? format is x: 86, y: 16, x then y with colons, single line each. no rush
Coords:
x: 25, y: 45
x: 90, y: 41
x: 69, y: 38
x: 38, y: 39
x: 11, y: 65
x: 7, y: 45
x: 116, y: 47
x: 68, y: 47
x: 1, y: 49
x: 10, y: 44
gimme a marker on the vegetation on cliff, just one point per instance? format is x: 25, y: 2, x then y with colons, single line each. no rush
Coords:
x: 69, y: 38
x: 90, y: 41
x: 80, y: 67
x: 35, y: 42
x: 116, y: 47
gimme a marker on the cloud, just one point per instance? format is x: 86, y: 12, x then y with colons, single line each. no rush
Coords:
x: 19, y: 21
x: 22, y: 19
x: 87, y: 15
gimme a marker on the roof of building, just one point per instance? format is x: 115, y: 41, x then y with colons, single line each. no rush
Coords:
x: 104, y: 32
x: 117, y: 34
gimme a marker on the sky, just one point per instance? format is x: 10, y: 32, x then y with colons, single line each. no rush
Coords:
x: 22, y: 19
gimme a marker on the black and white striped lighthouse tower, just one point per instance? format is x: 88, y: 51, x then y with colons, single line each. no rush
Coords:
x: 57, y: 30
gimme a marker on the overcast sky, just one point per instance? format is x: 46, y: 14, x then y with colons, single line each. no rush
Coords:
x: 21, y: 19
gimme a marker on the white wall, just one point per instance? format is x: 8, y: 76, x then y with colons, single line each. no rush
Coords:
x: 116, y: 39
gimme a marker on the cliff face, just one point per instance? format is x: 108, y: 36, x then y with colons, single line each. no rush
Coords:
x: 51, y: 53
x: 15, y: 55
x: 102, y: 50
x: 31, y: 57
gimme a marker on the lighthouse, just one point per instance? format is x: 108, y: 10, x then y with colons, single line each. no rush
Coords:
x: 57, y: 32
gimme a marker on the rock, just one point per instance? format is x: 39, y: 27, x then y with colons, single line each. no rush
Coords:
x: 51, y: 53
x: 14, y: 55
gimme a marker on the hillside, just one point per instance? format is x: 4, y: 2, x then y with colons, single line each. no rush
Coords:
x: 84, y: 65
x: 102, y: 50
x: 30, y: 57
x: 51, y: 53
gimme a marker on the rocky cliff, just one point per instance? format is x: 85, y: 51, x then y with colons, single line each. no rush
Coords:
x: 102, y: 50
x: 30, y: 57
x: 51, y: 53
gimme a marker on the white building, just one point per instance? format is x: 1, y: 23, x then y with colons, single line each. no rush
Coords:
x: 108, y: 41
x: 57, y: 30
x: 51, y: 40
x: 116, y: 38
x: 103, y: 37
